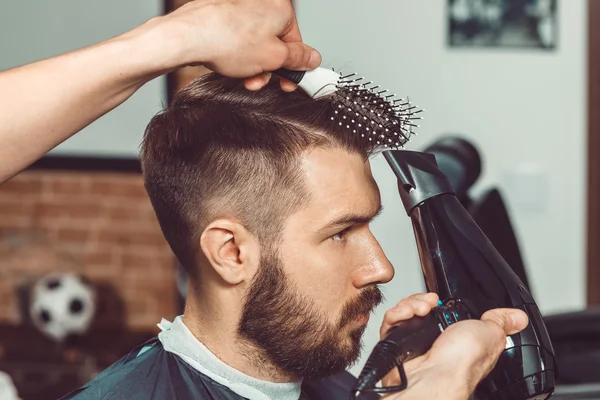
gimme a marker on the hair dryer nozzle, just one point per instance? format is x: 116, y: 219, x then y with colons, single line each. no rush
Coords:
x: 418, y: 176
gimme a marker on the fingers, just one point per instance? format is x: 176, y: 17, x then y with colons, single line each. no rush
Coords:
x: 257, y: 82
x: 418, y: 304
x: 301, y: 57
x: 293, y: 56
x: 421, y: 303
x: 480, y: 342
x: 511, y: 321
x: 287, y: 86
x: 431, y: 298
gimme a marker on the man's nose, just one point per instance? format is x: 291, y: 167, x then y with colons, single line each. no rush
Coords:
x: 374, y: 266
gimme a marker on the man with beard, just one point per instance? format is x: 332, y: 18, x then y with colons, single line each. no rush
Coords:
x: 266, y: 203
x: 263, y: 201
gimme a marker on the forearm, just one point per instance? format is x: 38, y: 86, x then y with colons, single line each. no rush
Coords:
x: 44, y: 103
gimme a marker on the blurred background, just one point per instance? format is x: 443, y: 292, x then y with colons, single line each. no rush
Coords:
x: 514, y: 78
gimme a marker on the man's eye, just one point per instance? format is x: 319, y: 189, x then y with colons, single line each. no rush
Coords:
x: 340, y: 235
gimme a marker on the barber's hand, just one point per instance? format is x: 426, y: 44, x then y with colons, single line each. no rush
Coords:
x: 239, y: 38
x: 464, y: 354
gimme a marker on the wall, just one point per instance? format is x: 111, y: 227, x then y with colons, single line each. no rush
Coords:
x: 34, y: 30
x: 525, y: 110
x: 100, y: 225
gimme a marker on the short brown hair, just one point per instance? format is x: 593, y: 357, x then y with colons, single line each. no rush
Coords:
x: 220, y: 150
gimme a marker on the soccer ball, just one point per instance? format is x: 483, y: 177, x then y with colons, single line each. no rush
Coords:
x: 62, y: 305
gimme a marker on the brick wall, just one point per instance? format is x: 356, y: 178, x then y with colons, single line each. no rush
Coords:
x: 99, y: 224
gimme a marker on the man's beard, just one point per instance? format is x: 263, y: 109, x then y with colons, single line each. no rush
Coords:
x: 294, y: 336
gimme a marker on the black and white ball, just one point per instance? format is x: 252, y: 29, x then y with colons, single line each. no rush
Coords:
x: 62, y: 305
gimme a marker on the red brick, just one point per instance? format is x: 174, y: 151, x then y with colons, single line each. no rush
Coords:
x: 67, y: 210
x: 71, y: 185
x: 22, y: 185
x: 12, y: 207
x: 105, y: 227
x: 148, y: 226
x: 15, y: 222
x: 150, y: 239
x: 109, y: 273
x: 120, y: 177
x: 9, y: 196
x: 100, y: 257
x: 121, y: 189
x: 137, y: 211
x: 145, y: 260
x: 73, y: 235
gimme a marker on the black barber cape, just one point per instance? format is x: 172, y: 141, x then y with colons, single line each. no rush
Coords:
x: 159, y: 375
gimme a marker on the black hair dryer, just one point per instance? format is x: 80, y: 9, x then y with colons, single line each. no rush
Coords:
x: 470, y: 276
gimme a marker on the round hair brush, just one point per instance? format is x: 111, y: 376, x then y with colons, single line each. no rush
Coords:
x: 361, y: 106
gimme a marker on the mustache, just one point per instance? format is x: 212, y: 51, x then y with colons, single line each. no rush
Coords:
x: 370, y: 298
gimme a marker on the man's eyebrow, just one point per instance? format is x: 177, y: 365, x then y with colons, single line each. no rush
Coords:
x: 348, y: 219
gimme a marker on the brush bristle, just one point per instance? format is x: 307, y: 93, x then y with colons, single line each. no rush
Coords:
x: 376, y: 115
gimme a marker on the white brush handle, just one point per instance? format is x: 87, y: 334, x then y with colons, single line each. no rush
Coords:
x: 316, y: 83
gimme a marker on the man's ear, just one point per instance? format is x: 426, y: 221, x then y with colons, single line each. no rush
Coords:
x: 232, y: 251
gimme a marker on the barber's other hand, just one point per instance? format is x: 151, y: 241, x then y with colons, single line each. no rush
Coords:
x: 239, y: 38
x: 461, y: 357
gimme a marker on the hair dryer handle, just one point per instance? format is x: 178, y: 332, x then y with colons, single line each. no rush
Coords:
x: 407, y: 340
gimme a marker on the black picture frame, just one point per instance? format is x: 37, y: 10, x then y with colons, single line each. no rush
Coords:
x: 482, y: 32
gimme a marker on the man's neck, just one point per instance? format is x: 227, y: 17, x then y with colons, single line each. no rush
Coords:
x: 215, y: 327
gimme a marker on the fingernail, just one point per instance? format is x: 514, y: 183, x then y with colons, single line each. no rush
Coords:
x: 315, y: 59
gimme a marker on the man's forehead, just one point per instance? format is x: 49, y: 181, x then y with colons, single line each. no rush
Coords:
x: 339, y: 181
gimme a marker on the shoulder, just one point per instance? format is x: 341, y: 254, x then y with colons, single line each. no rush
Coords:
x: 149, y: 372
x: 117, y: 378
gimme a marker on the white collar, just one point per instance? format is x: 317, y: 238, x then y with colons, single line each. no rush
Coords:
x: 176, y: 338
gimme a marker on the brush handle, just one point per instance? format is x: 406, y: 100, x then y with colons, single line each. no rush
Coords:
x: 316, y: 83
x: 294, y: 76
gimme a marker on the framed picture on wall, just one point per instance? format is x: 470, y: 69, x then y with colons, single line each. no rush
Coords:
x: 502, y: 23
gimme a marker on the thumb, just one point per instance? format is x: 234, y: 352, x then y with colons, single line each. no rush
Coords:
x: 510, y: 320
x: 301, y: 57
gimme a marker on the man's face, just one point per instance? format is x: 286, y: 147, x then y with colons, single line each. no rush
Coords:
x: 310, y: 301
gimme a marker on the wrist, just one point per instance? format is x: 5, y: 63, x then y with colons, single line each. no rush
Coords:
x: 175, y: 42
x: 439, y: 382
x: 153, y: 49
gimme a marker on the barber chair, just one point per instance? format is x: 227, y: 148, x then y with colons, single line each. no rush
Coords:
x: 575, y: 335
